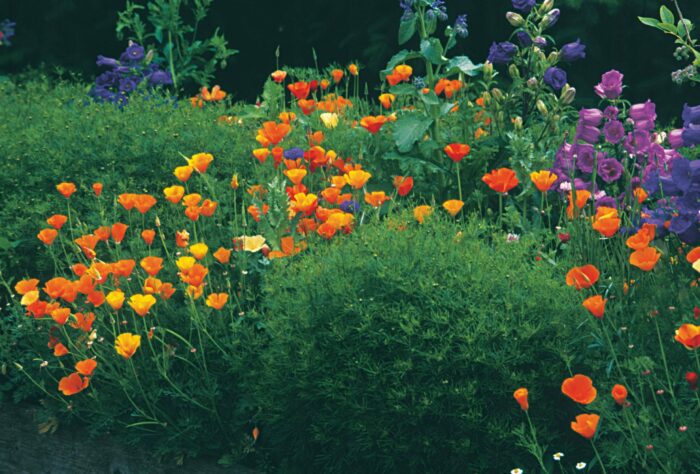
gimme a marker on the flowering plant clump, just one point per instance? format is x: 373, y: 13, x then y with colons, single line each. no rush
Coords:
x: 7, y: 31
x: 135, y: 69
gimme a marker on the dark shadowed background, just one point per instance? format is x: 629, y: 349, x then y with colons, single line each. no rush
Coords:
x: 71, y: 33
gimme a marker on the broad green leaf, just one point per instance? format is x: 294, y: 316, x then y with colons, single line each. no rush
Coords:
x: 653, y: 22
x: 668, y: 28
x: 399, y: 58
x: 431, y: 49
x: 463, y: 64
x: 684, y: 27
x: 403, y: 89
x: 409, y: 129
x: 430, y: 98
x: 666, y: 15
x: 407, y: 28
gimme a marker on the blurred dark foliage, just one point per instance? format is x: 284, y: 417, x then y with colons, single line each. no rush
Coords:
x: 71, y: 33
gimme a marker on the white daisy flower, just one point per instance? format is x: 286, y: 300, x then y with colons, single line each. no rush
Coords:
x: 580, y: 466
x: 558, y: 456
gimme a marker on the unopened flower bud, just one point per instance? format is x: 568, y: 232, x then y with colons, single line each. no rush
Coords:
x: 515, y: 19
x: 568, y: 95
x: 550, y: 19
x: 532, y: 82
x: 541, y: 107
x: 497, y: 94
x: 513, y: 71
x: 157, y: 222
x: 487, y: 97
x: 518, y: 123
x: 149, y: 56
x: 546, y: 6
x: 488, y: 70
x: 553, y: 57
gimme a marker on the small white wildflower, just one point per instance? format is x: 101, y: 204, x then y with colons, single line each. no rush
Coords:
x: 580, y: 466
x: 565, y: 186
x: 517, y: 470
x: 512, y: 237
x: 44, y: 364
x: 558, y: 456
x: 599, y: 194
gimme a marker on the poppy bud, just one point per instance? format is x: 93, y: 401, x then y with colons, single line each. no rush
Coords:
x: 518, y: 123
x: 692, y: 379
x: 515, y: 19
x: 265, y: 250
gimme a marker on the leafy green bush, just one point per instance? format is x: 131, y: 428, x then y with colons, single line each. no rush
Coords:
x: 398, y: 351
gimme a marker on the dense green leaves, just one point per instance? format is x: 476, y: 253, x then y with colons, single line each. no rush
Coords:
x: 409, y: 129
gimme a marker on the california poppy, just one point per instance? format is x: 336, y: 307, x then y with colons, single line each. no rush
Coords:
x: 83, y: 321
x: 274, y: 132
x: 596, y: 305
x: 403, y: 185
x: 261, y: 154
x: 582, y: 277
x: 59, y: 350
x: 376, y: 198
x: 126, y: 344
x: 279, y: 76
x: 86, y: 367
x: 200, y: 161
x: 222, y: 255
x: 582, y: 197
x: 295, y: 175
x: 141, y: 304
x: 586, y: 425
x: 199, y: 250
x: 194, y: 275
x: 66, y: 189
x: 420, y: 213
x: 148, y: 235
x: 453, y: 206
x: 357, y: 178
x: 373, y: 123
x: 580, y: 389
x: 152, y: 265
x: 642, y: 238
x: 645, y: 259
x: 501, y: 180
x: 304, y: 203
x: 689, y: 336
x: 300, y: 89
x: 306, y: 105
x: 103, y: 233
x: 183, y: 173
x: 217, y: 300
x: 118, y: 232
x: 457, y: 151
x: 115, y: 299
x: 73, y: 384
x: 619, y: 394
x: 97, y: 188
x: 144, y: 202
x: 326, y: 230
x: 127, y: 200
x: 337, y: 75
x: 387, y: 100
x: 47, y: 236
x: 606, y: 221
x: 57, y: 221
x: 520, y: 396
x: 404, y: 71
x: 543, y: 180
x: 60, y: 315
x: 174, y: 193
x: 24, y: 286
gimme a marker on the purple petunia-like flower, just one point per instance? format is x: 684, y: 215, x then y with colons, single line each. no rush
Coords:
x: 588, y: 133
x: 555, y: 78
x: 609, y: 170
x: 591, y: 117
x: 614, y: 131
x: 610, y: 86
x: 571, y: 52
x: 524, y: 5
x: 502, y: 53
x: 585, y: 156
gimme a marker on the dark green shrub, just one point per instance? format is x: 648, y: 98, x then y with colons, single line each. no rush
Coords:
x: 399, y: 351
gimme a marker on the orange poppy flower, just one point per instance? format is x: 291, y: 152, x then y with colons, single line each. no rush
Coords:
x: 234, y: 182
x: 295, y: 175
x: 200, y: 162
x: 357, y: 178
x: 217, y: 300
x: 275, y: 132
x: 304, y: 203
x: 501, y: 180
x: 97, y: 188
x: 56, y: 221
x: 373, y: 123
x: 59, y: 350
x: 127, y: 200
x: 326, y: 230
x: 126, y: 344
x: 582, y: 197
x: 393, y: 78
x: 174, y: 193
x: 640, y: 194
x: 118, y: 231
x: 453, y: 206
x: 448, y: 87
x: 66, y: 189
x: 194, y: 275
x: 254, y: 211
x: 166, y: 291
x: 642, y: 238
x: 420, y: 213
x: 403, y: 185
x: 279, y: 76
x: 115, y: 299
x: 86, y: 367
x: 619, y: 394
x: 87, y: 244
x: 102, y: 233
x: 353, y: 69
x: 387, y: 100
x: 457, y: 151
x: 582, y: 277
x: 287, y: 117
x: 287, y: 248
x: 693, y: 256
x: 596, y: 305
x: 543, y: 180
x: 23, y: 287
x: 586, y: 425
x: 520, y: 396
x: 307, y: 106
x: 83, y: 321
x: 199, y: 250
x: 404, y: 71
x: 47, y: 236
x: 56, y: 287
x: 151, y: 285
x: 337, y: 75
x: 123, y: 268
x: 141, y: 304
x: 689, y: 336
x: 60, y: 315
x: 148, y: 235
x: 144, y: 202
x: 182, y: 238
x: 606, y: 221
x: 96, y: 298
x: 152, y: 265
x: 215, y: 95
x: 183, y: 173
x: 73, y: 384
x: 376, y: 198
x: 222, y: 255
x: 300, y: 89
x: 645, y: 259
x: 580, y: 389
x: 261, y: 154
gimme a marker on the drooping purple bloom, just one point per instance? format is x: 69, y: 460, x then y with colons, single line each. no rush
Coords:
x: 675, y: 138
x: 502, y: 53
x: 160, y: 78
x: 610, y: 86
x: 540, y: 42
x: 614, y: 131
x: 643, y: 115
x: 606, y: 201
x: 555, y: 78
x: 591, y: 117
x: 524, y: 5
x: 610, y: 170
x: 350, y: 206
x: 585, y: 156
x: 461, y: 28
x: 691, y: 136
x: 524, y: 39
x: 637, y: 142
x: 588, y: 133
x: 551, y: 18
x: 691, y: 115
x: 571, y: 52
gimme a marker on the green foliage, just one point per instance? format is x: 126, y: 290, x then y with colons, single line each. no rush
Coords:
x: 190, y: 59
x: 398, y: 351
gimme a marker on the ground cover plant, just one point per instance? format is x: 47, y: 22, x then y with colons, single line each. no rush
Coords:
x: 462, y: 270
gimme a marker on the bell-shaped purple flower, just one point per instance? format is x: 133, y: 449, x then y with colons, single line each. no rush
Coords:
x: 524, y: 5
x: 609, y: 170
x: 502, y: 53
x: 571, y: 52
x: 555, y: 78
x: 614, y: 131
x: 610, y: 86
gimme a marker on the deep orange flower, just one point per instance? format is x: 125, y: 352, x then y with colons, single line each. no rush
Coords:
x: 126, y: 344
x: 543, y: 180
x: 642, y: 238
x: 66, y: 189
x: 689, y: 336
x: 195, y: 291
x: 501, y: 180
x: 457, y: 151
x: 56, y: 221
x: 261, y: 154
x: 118, y: 231
x: 606, y: 221
x: 183, y: 173
x: 693, y: 256
x: 123, y: 268
x: 288, y: 248
x: 59, y: 287
x: 404, y: 71
x: 582, y: 277
x: 393, y: 78
x: 353, y: 69
x: 200, y: 162
x: 127, y: 200
x: 83, y: 321
x: 208, y: 208
x: 144, y: 202
x: 96, y: 298
x: 582, y: 197
x: 300, y: 89
x: 86, y: 367
x: 115, y: 299
x: 420, y: 213
x: 151, y: 285
x: 152, y: 265
x: 222, y: 255
x: 182, y: 238
x: 215, y: 95
x: 326, y: 230
x: 191, y: 199
x: 447, y: 87
x: 279, y: 76
x: 357, y: 178
x: 287, y: 117
x: 60, y: 315
x: 141, y: 304
x: 645, y: 259
x: 166, y: 290
x: 640, y: 194
x: 387, y: 100
x: 254, y: 211
x: 373, y: 123
x: 304, y: 203
x: 295, y: 175
x: 234, y: 182
x: 194, y: 275
x: 97, y: 188
x: 403, y: 185
x: 337, y: 75
x: 59, y: 350
x: 307, y: 106
x: 87, y: 244
x: 596, y: 305
x: 619, y: 394
x: 73, y: 384
x: 376, y: 198
x: 520, y: 396
x: 174, y: 193
x: 580, y: 389
x: 453, y: 206
x: 217, y: 300
x: 103, y: 233
x: 47, y: 236
x: 23, y: 287
x: 148, y: 235
x: 586, y: 425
